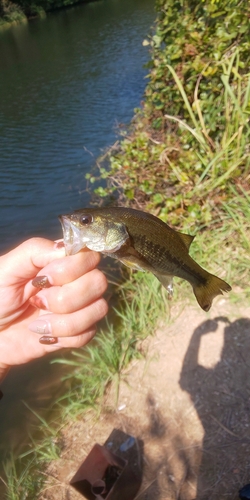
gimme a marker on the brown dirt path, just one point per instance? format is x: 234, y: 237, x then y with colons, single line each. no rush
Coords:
x: 188, y: 400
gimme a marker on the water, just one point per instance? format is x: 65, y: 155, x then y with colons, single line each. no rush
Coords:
x: 65, y: 83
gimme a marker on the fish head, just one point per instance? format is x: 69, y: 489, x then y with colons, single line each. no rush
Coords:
x: 91, y: 229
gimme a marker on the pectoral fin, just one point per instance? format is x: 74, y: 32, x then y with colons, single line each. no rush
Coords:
x: 133, y: 259
x: 167, y: 281
x: 132, y: 264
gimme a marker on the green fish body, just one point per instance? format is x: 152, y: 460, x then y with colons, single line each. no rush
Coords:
x: 141, y: 241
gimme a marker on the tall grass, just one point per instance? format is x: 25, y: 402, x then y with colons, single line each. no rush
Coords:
x: 229, y: 156
x: 143, y: 302
x: 93, y: 368
x: 184, y: 171
x: 104, y: 360
x: 23, y: 473
x: 215, y: 192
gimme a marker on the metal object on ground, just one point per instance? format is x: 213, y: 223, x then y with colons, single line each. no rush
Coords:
x: 112, y: 471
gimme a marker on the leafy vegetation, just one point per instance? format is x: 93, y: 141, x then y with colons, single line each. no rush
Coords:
x: 20, y: 10
x: 104, y: 360
x: 10, y: 12
x: 190, y: 142
x: 186, y: 155
x: 24, y: 475
x: 185, y: 158
x: 92, y: 370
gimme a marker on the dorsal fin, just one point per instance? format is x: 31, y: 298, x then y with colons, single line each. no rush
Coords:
x: 187, y: 239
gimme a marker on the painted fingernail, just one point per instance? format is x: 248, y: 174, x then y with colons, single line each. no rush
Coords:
x: 48, y: 340
x: 41, y: 282
x: 39, y: 302
x: 40, y: 326
x: 59, y: 244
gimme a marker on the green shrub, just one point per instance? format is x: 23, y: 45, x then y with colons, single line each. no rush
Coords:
x: 194, y: 37
x: 10, y: 12
x: 190, y: 141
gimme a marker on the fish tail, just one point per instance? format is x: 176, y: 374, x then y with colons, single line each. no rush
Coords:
x: 206, y: 292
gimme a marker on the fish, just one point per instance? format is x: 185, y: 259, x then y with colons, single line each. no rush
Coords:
x: 141, y: 241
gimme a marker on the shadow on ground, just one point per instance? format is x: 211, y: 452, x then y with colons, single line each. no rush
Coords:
x: 221, y: 396
x: 215, y: 467
x: 188, y: 400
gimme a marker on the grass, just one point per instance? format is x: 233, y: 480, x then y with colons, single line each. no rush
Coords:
x: 18, y: 481
x: 23, y: 473
x: 104, y: 360
x: 93, y: 368
x: 200, y: 184
x: 194, y: 169
x: 143, y: 302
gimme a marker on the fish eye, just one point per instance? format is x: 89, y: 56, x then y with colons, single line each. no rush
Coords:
x: 86, y: 219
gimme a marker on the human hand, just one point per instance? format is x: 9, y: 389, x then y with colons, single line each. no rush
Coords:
x: 68, y: 310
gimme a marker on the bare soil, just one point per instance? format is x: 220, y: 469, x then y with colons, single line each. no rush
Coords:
x: 188, y: 400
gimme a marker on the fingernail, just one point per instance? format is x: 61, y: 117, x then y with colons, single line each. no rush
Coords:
x: 59, y: 244
x: 39, y: 301
x: 48, y: 340
x: 41, y: 282
x: 40, y: 326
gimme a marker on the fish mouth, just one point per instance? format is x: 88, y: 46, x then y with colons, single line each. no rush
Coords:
x: 71, y: 236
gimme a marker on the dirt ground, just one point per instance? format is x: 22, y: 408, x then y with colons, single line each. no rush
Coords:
x: 188, y: 401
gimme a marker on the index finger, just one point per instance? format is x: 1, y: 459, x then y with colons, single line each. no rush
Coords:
x: 26, y: 260
x: 68, y: 269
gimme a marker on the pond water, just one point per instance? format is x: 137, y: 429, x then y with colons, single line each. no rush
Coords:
x: 66, y: 82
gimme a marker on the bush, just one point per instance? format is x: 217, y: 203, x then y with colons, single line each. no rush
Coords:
x: 10, y: 12
x: 194, y: 37
x: 190, y: 142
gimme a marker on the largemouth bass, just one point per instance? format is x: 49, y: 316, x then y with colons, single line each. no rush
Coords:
x: 141, y: 241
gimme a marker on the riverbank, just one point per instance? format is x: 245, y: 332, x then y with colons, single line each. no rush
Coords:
x: 185, y: 158
x: 21, y: 11
x: 187, y: 153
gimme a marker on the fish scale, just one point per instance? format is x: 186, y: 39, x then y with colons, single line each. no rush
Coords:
x: 141, y: 241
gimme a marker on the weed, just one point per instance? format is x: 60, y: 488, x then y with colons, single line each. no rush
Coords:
x: 104, y: 360
x: 186, y: 159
